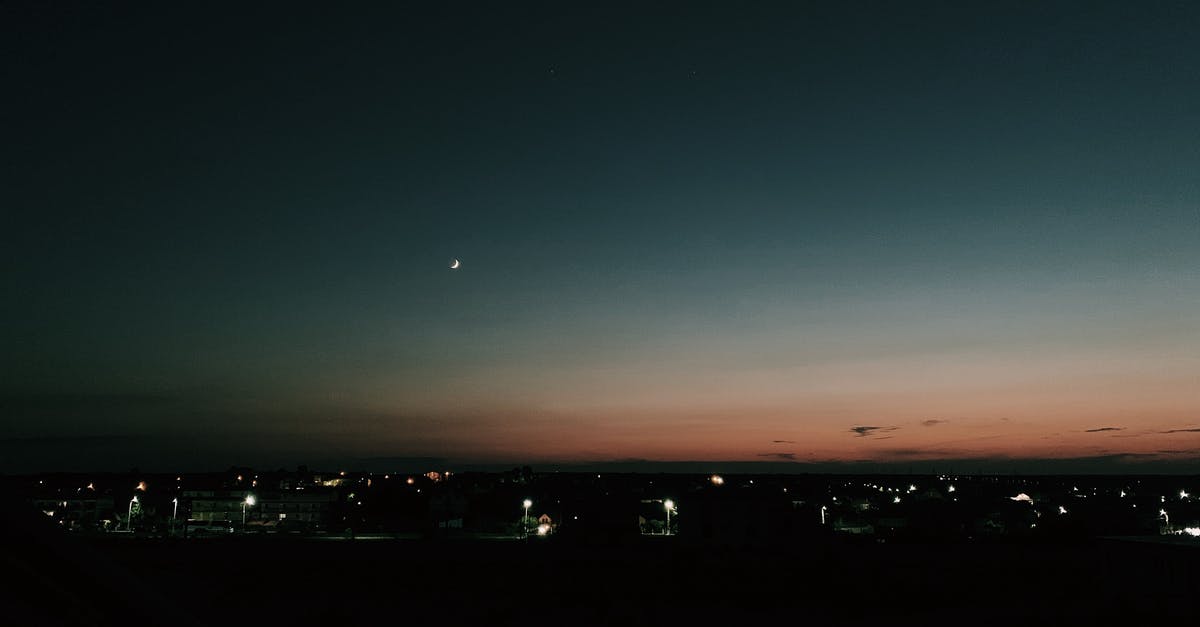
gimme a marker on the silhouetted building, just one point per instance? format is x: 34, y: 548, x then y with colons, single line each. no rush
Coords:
x: 741, y: 516
x: 601, y: 520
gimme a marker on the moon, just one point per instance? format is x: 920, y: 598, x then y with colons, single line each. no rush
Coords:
x: 455, y: 264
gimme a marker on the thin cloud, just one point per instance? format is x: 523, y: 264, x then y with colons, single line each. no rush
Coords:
x: 791, y: 457
x: 782, y: 442
x: 928, y: 453
x: 1101, y: 429
x: 1193, y: 430
x: 933, y: 422
x: 864, y: 431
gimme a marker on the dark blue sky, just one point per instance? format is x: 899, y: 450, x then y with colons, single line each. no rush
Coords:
x: 686, y: 231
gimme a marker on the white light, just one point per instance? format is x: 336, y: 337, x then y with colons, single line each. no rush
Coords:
x: 1062, y: 510
x: 950, y: 489
x: 527, y: 503
x: 896, y: 500
x: 912, y: 488
x: 543, y: 529
x: 669, y: 504
x: 1183, y: 494
x: 1192, y: 531
x: 250, y: 500
x: 717, y: 479
x: 1021, y: 497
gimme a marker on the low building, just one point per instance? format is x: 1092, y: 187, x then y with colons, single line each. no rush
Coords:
x: 77, y: 512
x: 215, y: 504
x: 304, y: 510
x: 746, y: 517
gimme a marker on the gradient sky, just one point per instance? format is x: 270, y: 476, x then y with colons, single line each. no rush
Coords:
x: 843, y: 232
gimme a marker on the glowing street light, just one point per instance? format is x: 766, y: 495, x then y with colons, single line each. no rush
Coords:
x: 249, y: 502
x: 668, y: 505
x: 525, y: 521
x: 823, y: 508
x: 175, y: 511
x: 129, y: 516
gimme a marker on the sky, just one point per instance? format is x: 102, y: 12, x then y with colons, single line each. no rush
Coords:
x: 817, y: 236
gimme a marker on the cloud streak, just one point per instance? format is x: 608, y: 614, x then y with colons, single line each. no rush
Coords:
x: 865, y: 431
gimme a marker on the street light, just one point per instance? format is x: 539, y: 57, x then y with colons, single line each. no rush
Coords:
x: 249, y: 502
x: 823, y: 508
x: 525, y: 521
x: 175, y: 511
x: 669, y: 505
x: 129, y: 516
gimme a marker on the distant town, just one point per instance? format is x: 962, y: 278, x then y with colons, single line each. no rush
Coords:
x: 524, y: 505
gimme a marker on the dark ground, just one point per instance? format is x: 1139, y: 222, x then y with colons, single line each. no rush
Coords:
x: 57, y: 579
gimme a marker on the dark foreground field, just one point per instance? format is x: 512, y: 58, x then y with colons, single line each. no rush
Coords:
x: 294, y: 582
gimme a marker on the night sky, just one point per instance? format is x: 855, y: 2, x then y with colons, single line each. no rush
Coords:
x: 842, y: 234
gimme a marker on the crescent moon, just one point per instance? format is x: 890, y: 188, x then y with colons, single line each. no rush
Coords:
x: 455, y: 264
